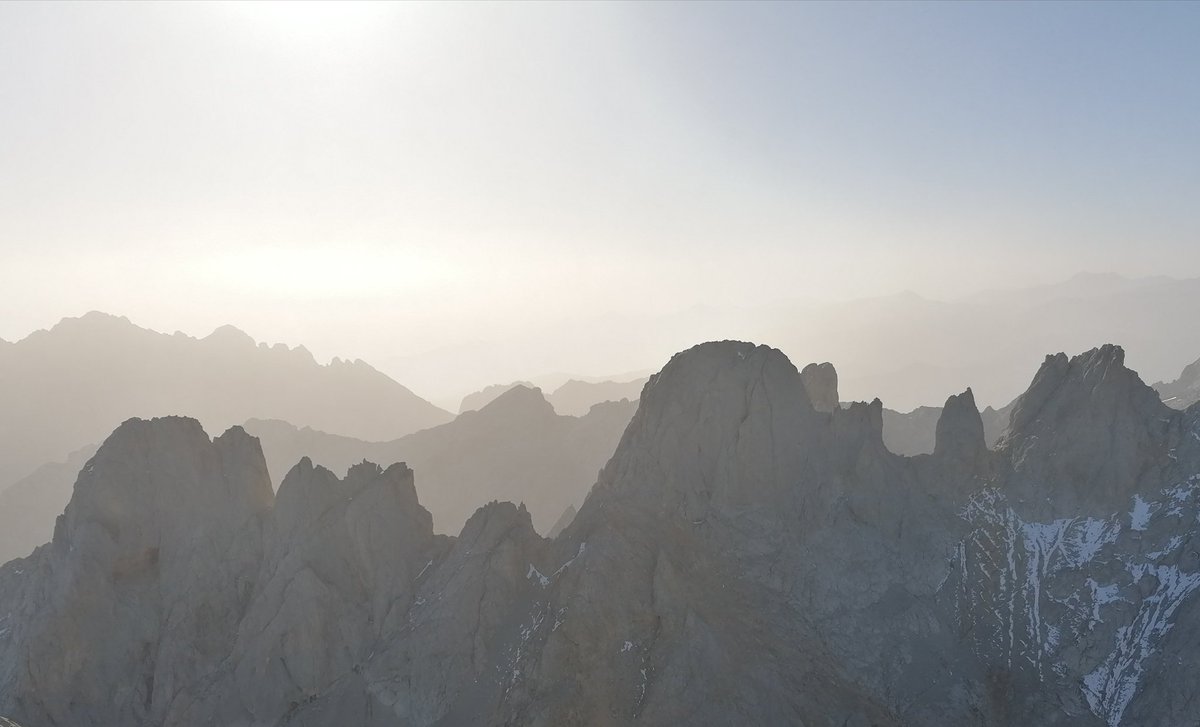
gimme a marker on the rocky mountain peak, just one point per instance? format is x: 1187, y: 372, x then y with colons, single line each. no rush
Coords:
x: 167, y: 470
x: 1099, y: 419
x: 231, y: 337
x: 960, y: 428
x: 706, y: 425
x: 1097, y: 379
x: 821, y: 383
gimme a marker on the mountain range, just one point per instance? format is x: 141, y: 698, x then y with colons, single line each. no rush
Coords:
x: 574, y: 397
x: 752, y: 553
x: 514, y: 448
x: 68, y: 387
x: 908, y: 349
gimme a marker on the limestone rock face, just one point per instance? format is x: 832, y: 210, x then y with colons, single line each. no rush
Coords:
x: 1093, y: 428
x: 744, y: 558
x: 138, y: 597
x: 821, y: 383
x: 960, y: 428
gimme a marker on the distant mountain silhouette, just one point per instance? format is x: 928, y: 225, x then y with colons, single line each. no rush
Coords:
x: 70, y: 386
x: 906, y: 349
x: 515, y: 448
x: 479, y: 399
x: 28, y: 507
x: 575, y: 397
x: 915, y: 432
x: 1183, y: 391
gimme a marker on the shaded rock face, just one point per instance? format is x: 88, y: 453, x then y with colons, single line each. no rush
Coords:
x: 821, y: 383
x: 744, y: 558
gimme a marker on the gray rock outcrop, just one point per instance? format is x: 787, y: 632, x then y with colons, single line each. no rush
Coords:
x: 821, y: 383
x: 744, y: 558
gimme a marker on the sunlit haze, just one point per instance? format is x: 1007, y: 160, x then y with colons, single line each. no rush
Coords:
x: 599, y: 363
x: 386, y: 181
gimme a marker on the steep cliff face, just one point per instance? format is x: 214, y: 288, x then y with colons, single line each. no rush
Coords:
x: 745, y: 557
x: 138, y: 597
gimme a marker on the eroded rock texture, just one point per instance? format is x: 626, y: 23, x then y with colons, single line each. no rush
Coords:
x: 750, y: 555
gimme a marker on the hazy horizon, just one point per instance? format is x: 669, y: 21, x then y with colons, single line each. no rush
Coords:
x: 809, y: 330
x: 385, y: 181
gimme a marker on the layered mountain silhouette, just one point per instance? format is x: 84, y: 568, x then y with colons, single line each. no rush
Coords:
x: 745, y: 557
x: 29, y: 506
x: 574, y: 397
x: 515, y: 448
x: 68, y: 387
x: 478, y: 399
x: 906, y: 349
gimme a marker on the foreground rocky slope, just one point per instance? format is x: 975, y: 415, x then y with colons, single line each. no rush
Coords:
x: 746, y: 557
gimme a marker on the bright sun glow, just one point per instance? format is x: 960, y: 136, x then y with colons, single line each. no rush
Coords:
x: 311, y: 21
x: 326, y: 272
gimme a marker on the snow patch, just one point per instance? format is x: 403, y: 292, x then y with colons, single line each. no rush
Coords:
x: 1139, y: 517
x: 535, y: 575
x: 1112, y: 685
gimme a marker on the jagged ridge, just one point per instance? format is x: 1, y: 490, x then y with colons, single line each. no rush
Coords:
x: 745, y: 557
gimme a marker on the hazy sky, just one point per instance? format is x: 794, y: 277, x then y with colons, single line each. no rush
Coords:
x: 387, y: 179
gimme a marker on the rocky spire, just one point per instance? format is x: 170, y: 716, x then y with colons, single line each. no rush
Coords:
x: 821, y: 383
x: 960, y: 428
